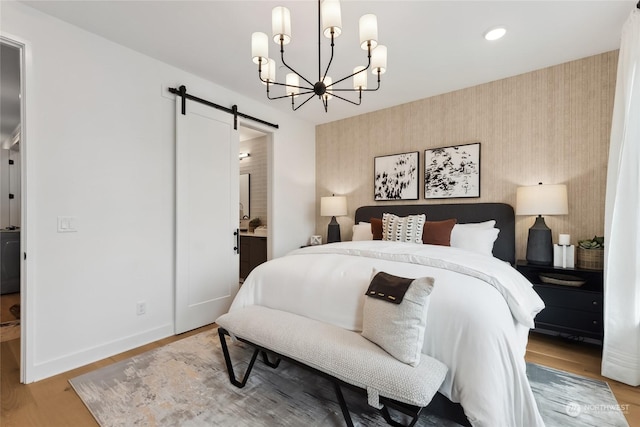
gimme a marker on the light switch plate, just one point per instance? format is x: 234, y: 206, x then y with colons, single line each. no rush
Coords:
x: 67, y: 224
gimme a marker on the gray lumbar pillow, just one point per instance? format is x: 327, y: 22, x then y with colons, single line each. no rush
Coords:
x: 395, y: 314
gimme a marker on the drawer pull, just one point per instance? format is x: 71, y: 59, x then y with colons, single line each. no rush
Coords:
x: 595, y: 322
x: 595, y: 302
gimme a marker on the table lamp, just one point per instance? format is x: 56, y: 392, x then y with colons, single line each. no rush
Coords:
x: 333, y: 206
x: 541, y: 200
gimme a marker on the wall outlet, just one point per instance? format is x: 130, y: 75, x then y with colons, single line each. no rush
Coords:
x: 141, y: 308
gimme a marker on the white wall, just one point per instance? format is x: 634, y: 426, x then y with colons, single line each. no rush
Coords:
x: 100, y: 147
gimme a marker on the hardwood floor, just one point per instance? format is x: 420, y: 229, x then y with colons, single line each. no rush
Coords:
x: 6, y: 302
x: 52, y: 402
x: 9, y: 319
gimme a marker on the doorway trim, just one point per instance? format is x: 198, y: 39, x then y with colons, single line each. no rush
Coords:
x: 26, y: 271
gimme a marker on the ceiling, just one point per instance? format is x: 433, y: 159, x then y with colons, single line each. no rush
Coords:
x: 434, y: 47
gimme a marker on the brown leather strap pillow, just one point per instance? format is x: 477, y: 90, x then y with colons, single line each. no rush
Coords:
x: 376, y: 228
x: 437, y: 232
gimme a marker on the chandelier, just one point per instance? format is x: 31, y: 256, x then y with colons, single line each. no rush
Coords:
x: 329, y: 25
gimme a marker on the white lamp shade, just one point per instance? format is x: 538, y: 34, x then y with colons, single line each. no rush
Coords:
x: 292, y: 82
x: 328, y: 81
x: 260, y: 47
x: 379, y: 60
x: 368, y: 31
x: 281, y: 24
x: 542, y: 200
x: 333, y: 206
x: 359, y: 79
x: 331, y: 18
x: 268, y: 72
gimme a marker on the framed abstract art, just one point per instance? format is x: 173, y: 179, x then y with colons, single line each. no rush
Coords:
x: 452, y: 172
x: 396, y: 176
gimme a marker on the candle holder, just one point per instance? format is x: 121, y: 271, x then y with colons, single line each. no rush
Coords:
x: 564, y: 256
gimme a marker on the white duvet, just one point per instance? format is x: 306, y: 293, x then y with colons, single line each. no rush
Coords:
x: 479, y: 316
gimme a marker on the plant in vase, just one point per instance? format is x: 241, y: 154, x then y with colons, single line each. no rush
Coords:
x: 591, y: 253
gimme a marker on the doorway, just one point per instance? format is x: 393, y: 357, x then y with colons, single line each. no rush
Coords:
x: 12, y: 206
x: 10, y: 188
x: 254, y: 155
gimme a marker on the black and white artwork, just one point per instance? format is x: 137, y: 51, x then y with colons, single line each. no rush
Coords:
x: 396, y: 177
x: 452, y: 172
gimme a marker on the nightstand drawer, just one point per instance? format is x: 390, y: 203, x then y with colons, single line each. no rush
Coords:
x: 571, y: 319
x: 555, y: 296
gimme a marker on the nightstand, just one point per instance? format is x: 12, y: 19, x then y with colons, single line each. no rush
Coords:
x: 570, y: 310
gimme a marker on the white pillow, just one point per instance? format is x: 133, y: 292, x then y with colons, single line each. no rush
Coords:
x: 484, y: 225
x: 362, y: 231
x: 473, y: 238
x: 399, y: 328
x: 403, y: 229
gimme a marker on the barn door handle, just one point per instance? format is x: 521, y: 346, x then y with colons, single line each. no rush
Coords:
x: 237, y: 234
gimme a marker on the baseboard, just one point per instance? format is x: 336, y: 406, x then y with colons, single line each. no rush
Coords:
x: 68, y: 362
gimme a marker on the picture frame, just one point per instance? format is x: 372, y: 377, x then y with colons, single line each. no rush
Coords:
x: 452, y: 172
x: 396, y: 176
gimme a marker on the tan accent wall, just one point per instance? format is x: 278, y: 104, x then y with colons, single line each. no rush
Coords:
x: 550, y: 125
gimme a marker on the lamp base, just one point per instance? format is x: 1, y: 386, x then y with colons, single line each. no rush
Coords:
x: 333, y: 231
x: 540, y: 244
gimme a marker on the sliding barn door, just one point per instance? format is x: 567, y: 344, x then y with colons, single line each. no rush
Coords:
x: 207, y: 187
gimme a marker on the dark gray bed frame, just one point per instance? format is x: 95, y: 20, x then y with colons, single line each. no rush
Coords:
x: 504, y: 247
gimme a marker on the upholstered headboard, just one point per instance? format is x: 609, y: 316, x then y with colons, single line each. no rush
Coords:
x: 504, y: 246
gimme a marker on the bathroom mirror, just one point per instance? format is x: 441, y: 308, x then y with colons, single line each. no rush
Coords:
x: 245, y: 195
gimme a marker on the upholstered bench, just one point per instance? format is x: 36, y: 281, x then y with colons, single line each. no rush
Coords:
x: 344, y: 356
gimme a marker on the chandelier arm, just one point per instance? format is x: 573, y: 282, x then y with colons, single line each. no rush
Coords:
x: 287, y: 65
x: 348, y: 100
x: 287, y: 96
x: 306, y: 100
x: 329, y: 64
x: 284, y: 84
x: 357, y: 72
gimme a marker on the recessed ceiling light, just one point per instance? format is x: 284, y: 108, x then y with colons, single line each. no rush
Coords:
x: 495, y: 33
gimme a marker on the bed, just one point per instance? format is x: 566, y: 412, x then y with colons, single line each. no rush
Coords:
x: 480, y: 312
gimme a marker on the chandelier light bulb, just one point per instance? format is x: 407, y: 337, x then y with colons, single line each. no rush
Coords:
x: 331, y: 18
x: 379, y: 59
x: 359, y: 78
x: 268, y: 73
x: 368, y: 31
x: 327, y: 82
x: 260, y: 48
x: 281, y: 24
x: 292, y: 84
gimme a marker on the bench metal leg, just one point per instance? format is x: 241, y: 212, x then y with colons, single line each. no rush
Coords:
x: 343, y: 405
x: 391, y: 421
x: 227, y: 359
x: 265, y: 359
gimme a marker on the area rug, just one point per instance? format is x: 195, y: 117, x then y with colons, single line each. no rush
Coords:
x: 185, y: 383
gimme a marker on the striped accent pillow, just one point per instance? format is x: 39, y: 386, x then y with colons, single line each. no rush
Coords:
x: 402, y: 229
